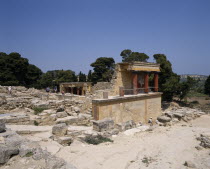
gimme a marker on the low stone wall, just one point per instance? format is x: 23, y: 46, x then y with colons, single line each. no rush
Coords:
x: 101, y: 86
x: 138, y: 108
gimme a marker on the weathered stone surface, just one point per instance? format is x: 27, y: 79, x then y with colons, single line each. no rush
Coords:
x: 39, y: 154
x: 61, y: 114
x: 28, y: 147
x: 205, y: 140
x: 6, y: 152
x: 76, y: 109
x: 164, y: 119
x: 65, y: 141
x: 53, y: 162
x: 169, y: 114
x: 103, y: 125
x: 21, y: 119
x: 110, y: 133
x: 52, y: 117
x: 84, y: 116
x: 14, y: 140
x: 126, y: 125
x: 2, y: 126
x: 59, y: 129
x: 42, y: 104
x: 61, y: 108
x: 198, y: 147
x: 2, y: 141
x: 49, y: 111
x: 189, y: 164
x: 68, y: 120
x: 178, y: 115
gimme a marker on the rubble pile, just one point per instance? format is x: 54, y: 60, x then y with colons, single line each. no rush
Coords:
x: 205, y: 140
x: 12, y: 144
x: 41, y: 108
x: 177, y: 114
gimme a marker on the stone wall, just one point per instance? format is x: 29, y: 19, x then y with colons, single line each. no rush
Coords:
x: 138, y: 108
x: 122, y: 78
x: 101, y: 86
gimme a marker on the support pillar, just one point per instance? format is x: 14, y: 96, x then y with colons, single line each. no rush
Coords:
x: 82, y: 91
x: 135, y: 83
x: 105, y: 95
x: 121, y: 91
x: 156, y: 82
x: 77, y: 90
x: 146, y: 82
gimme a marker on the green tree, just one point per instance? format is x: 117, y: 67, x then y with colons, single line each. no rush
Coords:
x: 16, y: 70
x: 82, y: 77
x: 89, y: 78
x: 55, y: 77
x: 184, y: 88
x: 103, y: 69
x: 32, y: 76
x: 168, y: 80
x: 207, y: 86
x: 129, y: 56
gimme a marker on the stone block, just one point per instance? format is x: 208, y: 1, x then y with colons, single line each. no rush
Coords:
x: 178, y: 115
x: 164, y: 119
x: 59, y: 129
x: 65, y: 141
x: 103, y: 125
x: 70, y: 120
x: 126, y: 125
x: 6, y: 152
x: 2, y: 126
x: 61, y: 114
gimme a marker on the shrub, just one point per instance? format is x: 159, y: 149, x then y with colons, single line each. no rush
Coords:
x: 38, y: 110
x: 60, y: 109
x: 36, y: 123
x: 29, y: 154
x: 195, y: 102
x: 97, y: 139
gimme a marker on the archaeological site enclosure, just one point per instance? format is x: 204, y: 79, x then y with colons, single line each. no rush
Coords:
x: 129, y: 96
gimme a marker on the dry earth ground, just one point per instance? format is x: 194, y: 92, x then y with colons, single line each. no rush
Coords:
x: 163, y: 148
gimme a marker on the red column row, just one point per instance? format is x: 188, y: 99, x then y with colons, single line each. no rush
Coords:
x: 135, y: 83
x: 156, y: 82
x: 146, y: 82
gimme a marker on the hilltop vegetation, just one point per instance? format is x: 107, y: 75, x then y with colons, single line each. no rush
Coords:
x: 17, y: 71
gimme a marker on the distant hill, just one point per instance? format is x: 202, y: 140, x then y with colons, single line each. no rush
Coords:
x: 195, y: 77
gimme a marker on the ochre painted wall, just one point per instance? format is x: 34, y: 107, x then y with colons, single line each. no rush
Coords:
x: 138, y: 110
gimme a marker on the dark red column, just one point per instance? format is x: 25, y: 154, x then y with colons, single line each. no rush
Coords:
x: 135, y: 83
x: 77, y: 90
x: 146, y: 82
x: 156, y: 82
x: 121, y: 91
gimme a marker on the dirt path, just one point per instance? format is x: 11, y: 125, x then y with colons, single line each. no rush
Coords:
x: 163, y: 148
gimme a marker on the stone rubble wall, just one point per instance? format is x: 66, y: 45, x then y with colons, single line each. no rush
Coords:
x: 120, y: 78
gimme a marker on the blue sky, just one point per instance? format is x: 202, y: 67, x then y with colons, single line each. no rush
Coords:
x: 71, y: 34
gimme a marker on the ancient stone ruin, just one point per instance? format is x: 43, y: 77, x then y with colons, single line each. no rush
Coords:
x: 41, y: 124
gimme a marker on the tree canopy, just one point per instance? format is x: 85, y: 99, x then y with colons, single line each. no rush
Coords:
x: 54, y: 77
x: 16, y: 70
x: 89, y: 78
x: 168, y: 80
x: 82, y: 77
x: 129, y: 56
x: 103, y: 69
x: 207, y: 86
